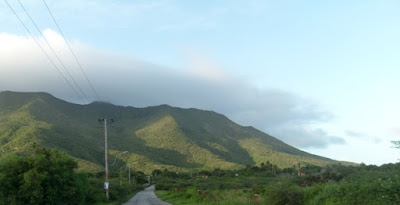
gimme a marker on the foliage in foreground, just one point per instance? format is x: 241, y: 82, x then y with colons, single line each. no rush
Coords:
x: 49, y: 177
x: 46, y: 177
x: 329, y: 185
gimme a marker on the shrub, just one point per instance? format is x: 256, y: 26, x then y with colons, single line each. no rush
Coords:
x: 285, y: 194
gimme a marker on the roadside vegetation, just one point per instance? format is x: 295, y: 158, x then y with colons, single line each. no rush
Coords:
x: 267, y: 184
x: 47, y: 176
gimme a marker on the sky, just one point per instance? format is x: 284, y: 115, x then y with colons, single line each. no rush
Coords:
x: 319, y: 75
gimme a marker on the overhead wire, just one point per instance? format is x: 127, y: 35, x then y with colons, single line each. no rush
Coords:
x: 55, y: 54
x: 47, y: 55
x: 72, y: 52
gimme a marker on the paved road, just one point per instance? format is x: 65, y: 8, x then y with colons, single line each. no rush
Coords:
x: 146, y: 197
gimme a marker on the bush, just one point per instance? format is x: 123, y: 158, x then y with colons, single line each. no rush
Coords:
x: 285, y: 194
x: 380, y: 191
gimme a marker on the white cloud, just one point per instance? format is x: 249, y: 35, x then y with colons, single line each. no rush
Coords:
x: 126, y: 81
x: 363, y: 136
x: 305, y: 137
x: 355, y: 134
x: 396, y: 130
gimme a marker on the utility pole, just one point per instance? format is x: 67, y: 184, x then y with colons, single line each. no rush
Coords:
x: 106, y: 182
x: 106, y: 157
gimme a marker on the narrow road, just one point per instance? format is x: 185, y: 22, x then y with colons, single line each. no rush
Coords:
x: 146, y: 197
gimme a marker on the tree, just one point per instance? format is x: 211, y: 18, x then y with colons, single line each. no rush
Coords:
x: 45, y: 177
x: 156, y: 172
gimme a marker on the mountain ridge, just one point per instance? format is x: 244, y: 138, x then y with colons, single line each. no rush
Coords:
x: 156, y: 137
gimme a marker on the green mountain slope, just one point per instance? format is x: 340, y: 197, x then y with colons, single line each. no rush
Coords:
x: 155, y: 137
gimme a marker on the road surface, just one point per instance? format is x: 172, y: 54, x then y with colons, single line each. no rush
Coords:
x: 146, y: 197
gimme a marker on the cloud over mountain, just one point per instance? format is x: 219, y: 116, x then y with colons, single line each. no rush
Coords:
x: 125, y: 80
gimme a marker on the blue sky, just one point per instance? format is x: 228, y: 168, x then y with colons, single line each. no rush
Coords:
x: 320, y: 75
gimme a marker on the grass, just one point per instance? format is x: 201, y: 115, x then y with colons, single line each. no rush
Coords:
x: 219, y: 197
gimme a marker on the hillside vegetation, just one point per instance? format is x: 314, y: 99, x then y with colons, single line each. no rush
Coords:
x: 159, y: 137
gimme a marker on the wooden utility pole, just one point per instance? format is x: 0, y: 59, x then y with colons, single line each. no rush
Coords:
x: 106, y: 158
x: 106, y: 181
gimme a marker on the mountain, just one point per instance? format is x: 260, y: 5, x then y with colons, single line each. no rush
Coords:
x: 155, y: 137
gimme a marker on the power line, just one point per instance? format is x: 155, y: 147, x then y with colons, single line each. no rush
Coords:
x: 51, y: 48
x: 47, y: 55
x: 72, y: 52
